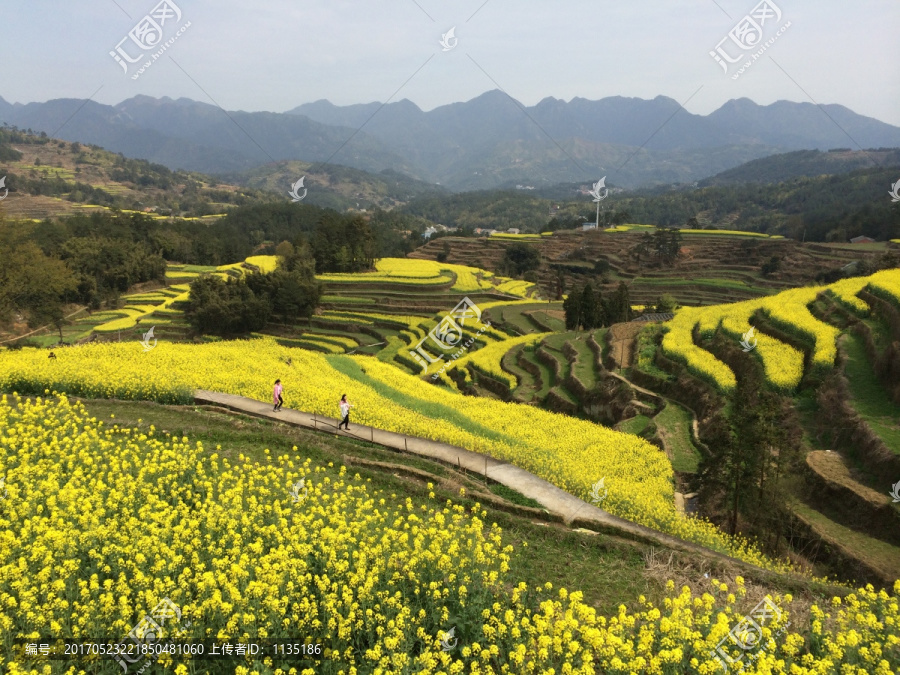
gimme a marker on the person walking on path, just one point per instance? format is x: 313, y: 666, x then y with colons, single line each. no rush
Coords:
x: 276, y: 396
x: 345, y: 406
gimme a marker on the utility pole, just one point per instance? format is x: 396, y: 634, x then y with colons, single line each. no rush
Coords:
x: 599, y: 193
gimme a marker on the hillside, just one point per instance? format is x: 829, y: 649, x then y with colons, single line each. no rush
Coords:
x: 825, y: 352
x: 712, y: 267
x: 336, y: 499
x: 49, y: 177
x: 804, y: 163
x: 629, y: 417
x: 830, y: 208
x: 337, y: 187
x: 372, y: 325
x: 774, y: 457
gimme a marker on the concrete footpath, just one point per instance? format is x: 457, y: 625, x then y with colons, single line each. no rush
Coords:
x: 573, y: 511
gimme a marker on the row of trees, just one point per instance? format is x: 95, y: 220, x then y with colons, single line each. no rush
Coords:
x: 750, y: 451
x: 36, y: 283
x: 588, y: 309
x: 663, y: 245
x: 106, y: 268
x: 242, y: 305
x: 338, y: 242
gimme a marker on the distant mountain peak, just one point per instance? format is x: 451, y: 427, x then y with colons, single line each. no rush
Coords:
x: 488, y: 141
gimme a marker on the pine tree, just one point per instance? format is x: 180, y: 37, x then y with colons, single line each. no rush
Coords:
x: 619, y: 310
x: 750, y: 452
x: 591, y: 308
x: 572, y: 308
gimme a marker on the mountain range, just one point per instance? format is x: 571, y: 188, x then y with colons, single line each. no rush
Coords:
x: 488, y: 142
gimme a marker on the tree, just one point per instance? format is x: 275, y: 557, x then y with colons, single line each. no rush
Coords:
x: 666, y: 304
x: 242, y: 305
x: 50, y: 312
x: 620, y: 217
x: 618, y: 309
x: 519, y: 258
x: 105, y: 264
x: 644, y: 247
x: 667, y: 244
x: 294, y: 296
x: 771, y: 266
x: 587, y: 309
x: 750, y: 452
x: 344, y: 245
x: 591, y: 308
x: 560, y: 284
x: 32, y: 284
x: 572, y: 308
x: 284, y: 250
x: 291, y: 294
x: 225, y: 307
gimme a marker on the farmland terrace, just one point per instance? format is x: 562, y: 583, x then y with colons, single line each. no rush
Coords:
x: 711, y: 268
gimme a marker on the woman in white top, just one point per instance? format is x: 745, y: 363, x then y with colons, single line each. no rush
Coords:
x: 345, y: 406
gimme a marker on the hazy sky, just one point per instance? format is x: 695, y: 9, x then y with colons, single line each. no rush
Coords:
x: 276, y: 54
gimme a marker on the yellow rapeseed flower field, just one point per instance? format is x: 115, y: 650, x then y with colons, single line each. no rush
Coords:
x: 570, y: 453
x: 788, y: 311
x: 100, y: 523
x: 886, y: 284
x: 265, y: 263
x: 488, y: 358
x: 430, y: 272
x: 678, y: 343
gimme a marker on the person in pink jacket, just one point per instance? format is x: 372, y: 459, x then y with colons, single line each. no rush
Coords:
x: 276, y: 396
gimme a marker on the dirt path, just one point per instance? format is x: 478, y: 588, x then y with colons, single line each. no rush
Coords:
x: 571, y: 510
x: 622, y: 337
x: 631, y: 384
x: 695, y: 424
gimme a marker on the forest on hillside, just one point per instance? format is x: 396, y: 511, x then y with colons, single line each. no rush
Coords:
x: 92, y: 259
x: 167, y: 192
x: 823, y: 208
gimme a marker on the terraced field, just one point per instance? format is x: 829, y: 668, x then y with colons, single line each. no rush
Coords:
x: 824, y: 348
x: 789, y: 313
x: 555, y: 370
x: 518, y: 349
x: 714, y: 266
x: 384, y: 313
